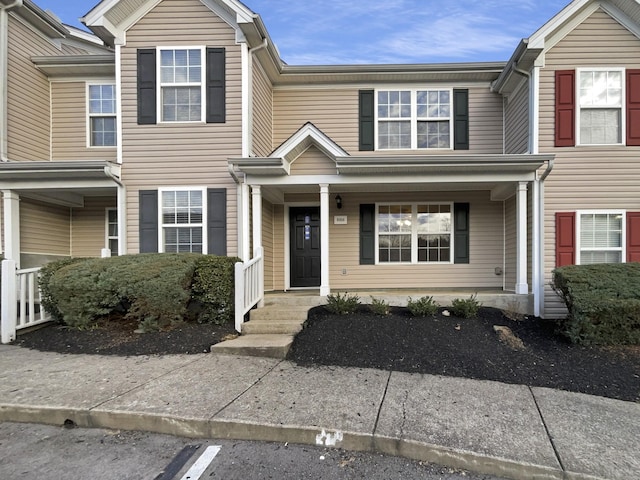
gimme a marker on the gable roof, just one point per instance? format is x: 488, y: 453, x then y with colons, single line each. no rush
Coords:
x: 625, y: 12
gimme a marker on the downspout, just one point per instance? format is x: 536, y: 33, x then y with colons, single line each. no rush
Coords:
x: 4, y: 71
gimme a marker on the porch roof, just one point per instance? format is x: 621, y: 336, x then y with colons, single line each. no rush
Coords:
x: 62, y: 183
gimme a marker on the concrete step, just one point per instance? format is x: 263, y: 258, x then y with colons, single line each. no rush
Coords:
x: 272, y: 346
x: 279, y: 312
x: 254, y: 327
x: 293, y: 299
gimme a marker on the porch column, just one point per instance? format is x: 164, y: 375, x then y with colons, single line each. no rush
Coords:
x: 244, y: 242
x: 521, y: 212
x: 11, y: 206
x: 256, y: 197
x: 324, y: 240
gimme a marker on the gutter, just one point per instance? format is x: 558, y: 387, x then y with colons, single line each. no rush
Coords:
x: 4, y: 83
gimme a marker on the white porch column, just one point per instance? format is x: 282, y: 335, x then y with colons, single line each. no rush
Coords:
x: 521, y: 266
x: 244, y: 243
x: 324, y: 240
x: 256, y: 197
x: 11, y: 206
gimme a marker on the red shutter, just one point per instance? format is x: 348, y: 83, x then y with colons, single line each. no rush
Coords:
x: 633, y: 107
x: 633, y: 236
x: 565, y: 238
x: 565, y: 108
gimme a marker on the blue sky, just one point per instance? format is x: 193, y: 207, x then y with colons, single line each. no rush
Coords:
x: 328, y: 32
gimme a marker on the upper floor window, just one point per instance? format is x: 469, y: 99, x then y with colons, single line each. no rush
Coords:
x: 600, y: 102
x: 181, y: 86
x: 414, y: 119
x: 102, y: 115
x: 414, y: 233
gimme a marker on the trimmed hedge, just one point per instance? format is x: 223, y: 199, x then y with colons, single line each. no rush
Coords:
x: 603, y: 302
x: 155, y: 289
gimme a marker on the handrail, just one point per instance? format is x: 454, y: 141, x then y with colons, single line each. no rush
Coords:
x: 249, y: 286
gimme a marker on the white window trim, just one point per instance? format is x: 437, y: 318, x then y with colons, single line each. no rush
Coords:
x: 162, y: 225
x: 203, y: 83
x: 414, y: 234
x: 414, y: 117
x: 90, y: 115
x: 623, y: 105
x: 622, y: 249
x: 108, y: 237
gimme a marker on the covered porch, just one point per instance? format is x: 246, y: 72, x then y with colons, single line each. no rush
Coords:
x: 490, y: 206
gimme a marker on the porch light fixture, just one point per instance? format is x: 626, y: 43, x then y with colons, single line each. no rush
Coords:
x: 338, y: 202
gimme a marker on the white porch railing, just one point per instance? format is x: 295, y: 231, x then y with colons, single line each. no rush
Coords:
x: 249, y: 286
x: 20, y: 301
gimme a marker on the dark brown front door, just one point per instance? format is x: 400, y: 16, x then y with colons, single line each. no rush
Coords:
x: 305, y: 246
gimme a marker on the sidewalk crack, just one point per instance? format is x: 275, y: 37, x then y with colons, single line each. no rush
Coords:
x: 546, y: 429
x: 384, y: 397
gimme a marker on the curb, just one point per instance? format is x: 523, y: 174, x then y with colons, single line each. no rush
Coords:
x: 355, y: 441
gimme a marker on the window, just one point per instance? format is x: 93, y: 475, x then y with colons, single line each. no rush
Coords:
x: 414, y: 119
x: 112, y: 231
x: 601, y: 237
x: 414, y: 233
x: 600, y: 101
x: 181, y: 87
x: 182, y: 218
x: 102, y: 115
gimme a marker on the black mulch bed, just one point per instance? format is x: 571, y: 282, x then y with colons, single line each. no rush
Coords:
x: 467, y: 348
x: 440, y: 345
x: 118, y: 337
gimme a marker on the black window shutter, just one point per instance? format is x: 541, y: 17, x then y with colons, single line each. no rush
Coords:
x: 217, y: 221
x: 367, y: 120
x: 147, y: 86
x: 461, y: 119
x: 461, y: 232
x: 148, y: 221
x: 367, y: 234
x: 216, y: 85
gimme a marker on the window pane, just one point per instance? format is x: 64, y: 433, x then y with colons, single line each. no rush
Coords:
x: 434, y: 135
x: 394, y: 135
x: 600, y: 126
x: 103, y: 131
x: 181, y: 104
x: 600, y: 238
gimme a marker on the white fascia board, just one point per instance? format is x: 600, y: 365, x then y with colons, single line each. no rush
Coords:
x: 98, y: 11
x: 537, y: 40
x: 622, y: 18
x: 319, y: 139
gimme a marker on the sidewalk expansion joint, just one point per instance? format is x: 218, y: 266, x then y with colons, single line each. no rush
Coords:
x: 237, y: 397
x: 143, y: 384
x: 384, y: 397
x: 546, y: 429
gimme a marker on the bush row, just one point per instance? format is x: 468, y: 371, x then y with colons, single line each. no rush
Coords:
x: 155, y: 289
x: 422, y: 307
x: 603, y: 302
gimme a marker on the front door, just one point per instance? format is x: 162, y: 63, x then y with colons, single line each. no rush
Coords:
x: 305, y: 246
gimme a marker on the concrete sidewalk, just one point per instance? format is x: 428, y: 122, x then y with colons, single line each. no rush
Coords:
x: 486, y: 427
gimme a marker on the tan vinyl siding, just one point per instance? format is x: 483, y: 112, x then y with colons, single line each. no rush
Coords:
x: 313, y: 162
x: 262, y: 113
x: 44, y: 228
x: 517, y: 120
x: 267, y: 243
x: 585, y: 177
x: 510, y: 243
x: 335, y: 112
x: 28, y: 94
x: 88, y: 226
x: 69, y: 129
x: 486, y: 245
x: 188, y: 154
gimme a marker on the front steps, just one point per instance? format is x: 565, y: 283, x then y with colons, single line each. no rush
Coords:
x: 272, y: 328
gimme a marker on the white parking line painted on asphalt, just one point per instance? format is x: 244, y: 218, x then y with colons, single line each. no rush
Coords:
x: 198, y: 468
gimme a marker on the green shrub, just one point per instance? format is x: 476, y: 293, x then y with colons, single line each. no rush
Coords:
x: 148, y: 287
x: 465, y: 307
x: 46, y: 272
x: 379, y: 307
x: 213, y: 289
x: 423, y: 307
x: 603, y: 302
x: 342, y: 305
